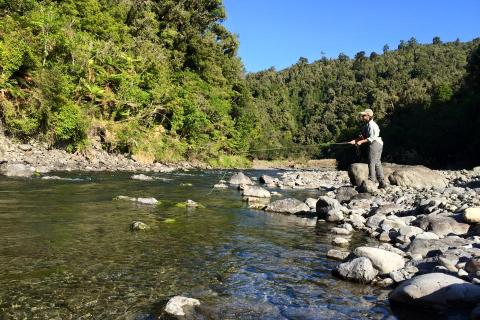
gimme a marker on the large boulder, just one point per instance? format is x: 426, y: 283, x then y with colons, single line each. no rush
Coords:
x: 240, y: 178
x: 358, y: 172
x: 358, y: 270
x: 17, y: 170
x: 405, y: 176
x: 417, y: 177
x: 383, y: 260
x: 255, y: 191
x: 436, y: 291
x: 289, y: 205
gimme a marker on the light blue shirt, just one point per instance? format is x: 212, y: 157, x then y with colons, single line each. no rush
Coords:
x: 373, y: 132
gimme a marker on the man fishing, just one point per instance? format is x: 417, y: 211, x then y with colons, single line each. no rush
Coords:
x: 371, y: 135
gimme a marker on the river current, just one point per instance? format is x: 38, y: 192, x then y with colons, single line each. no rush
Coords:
x: 66, y: 252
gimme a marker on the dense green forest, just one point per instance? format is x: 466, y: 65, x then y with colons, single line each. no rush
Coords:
x: 161, y: 80
x: 425, y: 97
x: 158, y: 79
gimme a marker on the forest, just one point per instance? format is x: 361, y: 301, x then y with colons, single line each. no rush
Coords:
x: 162, y: 81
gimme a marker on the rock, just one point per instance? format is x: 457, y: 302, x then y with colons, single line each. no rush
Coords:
x: 326, y: 204
x: 476, y: 170
x: 268, y: 180
x: 240, y: 179
x: 357, y: 220
x: 358, y: 270
x: 311, y: 202
x: 472, y: 215
x: 410, y: 231
x: 436, y: 291
x: 16, y: 170
x: 178, y: 305
x: 338, y: 241
x: 358, y: 172
x: 334, y: 216
x: 443, y: 225
x: 368, y: 186
x: 427, y: 236
x: 141, y: 177
x: 375, y: 220
x: 255, y: 191
x: 138, y: 226
x: 387, y: 209
x: 475, y: 314
x: 220, y: 186
x: 341, y: 231
x: 257, y: 203
x: 417, y: 177
x: 345, y: 194
x: 383, y: 260
x: 288, y: 205
x: 25, y: 147
x: 426, y: 248
x: 191, y: 204
x: 337, y: 254
x: 473, y: 265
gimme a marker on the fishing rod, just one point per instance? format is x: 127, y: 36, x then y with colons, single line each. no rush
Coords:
x: 292, y: 147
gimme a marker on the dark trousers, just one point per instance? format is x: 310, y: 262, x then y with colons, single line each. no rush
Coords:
x: 375, y: 169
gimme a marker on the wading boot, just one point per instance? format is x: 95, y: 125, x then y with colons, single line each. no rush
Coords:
x: 382, y: 185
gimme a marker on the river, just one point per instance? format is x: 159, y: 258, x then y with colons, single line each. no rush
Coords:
x: 67, y: 253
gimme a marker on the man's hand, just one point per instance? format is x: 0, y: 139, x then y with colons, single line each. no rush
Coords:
x: 360, y: 142
x: 353, y: 142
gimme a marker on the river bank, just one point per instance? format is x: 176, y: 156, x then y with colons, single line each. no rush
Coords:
x: 426, y: 225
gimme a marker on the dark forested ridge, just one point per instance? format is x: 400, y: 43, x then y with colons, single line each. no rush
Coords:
x: 161, y: 80
x: 426, y: 98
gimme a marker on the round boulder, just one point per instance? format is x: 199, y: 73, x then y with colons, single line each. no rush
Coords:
x: 437, y: 291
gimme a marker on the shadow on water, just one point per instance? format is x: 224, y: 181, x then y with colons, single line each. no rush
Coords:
x: 67, y: 252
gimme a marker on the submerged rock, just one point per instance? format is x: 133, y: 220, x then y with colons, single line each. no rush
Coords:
x: 289, y: 205
x: 141, y: 177
x: 337, y: 254
x: 138, y: 226
x: 180, y: 306
x: 148, y: 201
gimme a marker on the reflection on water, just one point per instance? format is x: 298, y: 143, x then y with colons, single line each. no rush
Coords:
x: 67, y: 253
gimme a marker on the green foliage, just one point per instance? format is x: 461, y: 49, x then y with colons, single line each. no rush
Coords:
x: 418, y: 92
x: 126, y: 68
x: 70, y: 126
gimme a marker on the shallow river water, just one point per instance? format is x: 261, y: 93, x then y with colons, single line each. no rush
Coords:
x: 66, y: 252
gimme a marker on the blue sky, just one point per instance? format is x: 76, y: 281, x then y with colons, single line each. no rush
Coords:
x: 278, y: 32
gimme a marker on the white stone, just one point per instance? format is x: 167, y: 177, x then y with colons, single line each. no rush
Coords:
x: 176, y: 304
x: 383, y: 260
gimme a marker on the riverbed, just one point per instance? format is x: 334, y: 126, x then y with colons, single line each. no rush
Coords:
x: 67, y: 252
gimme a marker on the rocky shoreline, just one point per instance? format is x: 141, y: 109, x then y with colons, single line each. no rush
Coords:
x: 426, y: 224
x: 24, y: 160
